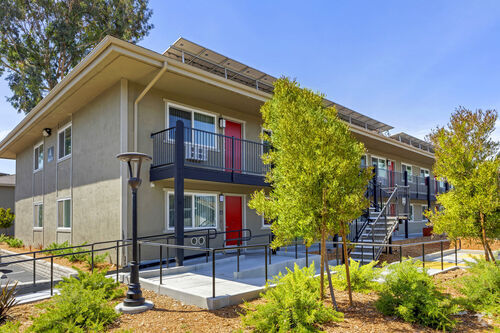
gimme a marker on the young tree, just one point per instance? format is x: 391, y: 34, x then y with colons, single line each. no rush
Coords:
x: 41, y: 41
x: 317, y: 186
x: 468, y: 158
x: 6, y: 218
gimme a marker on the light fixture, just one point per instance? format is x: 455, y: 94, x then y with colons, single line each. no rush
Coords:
x: 222, y: 123
x: 46, y: 132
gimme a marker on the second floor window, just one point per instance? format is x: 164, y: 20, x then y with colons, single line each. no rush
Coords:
x: 64, y: 142
x: 203, y: 122
x: 38, y: 158
x: 408, y: 169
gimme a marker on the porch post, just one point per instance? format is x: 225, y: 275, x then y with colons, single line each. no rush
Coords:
x: 375, y: 175
x: 179, y: 191
x: 407, y: 204
x: 428, y: 183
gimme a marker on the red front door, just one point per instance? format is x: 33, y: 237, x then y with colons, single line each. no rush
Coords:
x: 233, y: 146
x: 391, y: 167
x: 233, y: 219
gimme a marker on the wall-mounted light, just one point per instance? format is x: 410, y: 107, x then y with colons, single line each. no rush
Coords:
x: 222, y: 123
x: 221, y: 197
x: 46, y: 132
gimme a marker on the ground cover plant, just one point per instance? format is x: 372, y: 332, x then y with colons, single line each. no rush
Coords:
x: 84, y: 304
x: 411, y: 294
x: 72, y: 254
x: 362, y: 277
x: 293, y: 305
x: 11, y: 241
x: 7, y: 301
x: 481, y: 288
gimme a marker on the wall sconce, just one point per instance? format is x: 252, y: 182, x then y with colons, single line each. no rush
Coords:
x: 222, y: 123
x: 46, y: 132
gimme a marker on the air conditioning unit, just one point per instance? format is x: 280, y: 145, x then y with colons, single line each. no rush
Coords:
x: 196, y: 153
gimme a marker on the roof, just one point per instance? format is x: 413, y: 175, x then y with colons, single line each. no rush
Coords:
x: 413, y: 141
x: 7, y: 180
x: 204, y: 58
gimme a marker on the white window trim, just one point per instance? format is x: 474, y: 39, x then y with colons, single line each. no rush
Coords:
x: 167, y: 213
x: 192, y: 110
x: 71, y: 216
x: 62, y: 129
x: 380, y: 158
x: 35, y: 216
x: 424, y: 208
x: 35, y: 157
x: 265, y: 226
x: 413, y: 210
x: 410, y: 179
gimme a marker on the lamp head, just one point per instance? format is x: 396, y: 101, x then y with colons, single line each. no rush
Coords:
x: 134, y: 158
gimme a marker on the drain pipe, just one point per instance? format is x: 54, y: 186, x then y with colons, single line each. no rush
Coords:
x: 141, y: 96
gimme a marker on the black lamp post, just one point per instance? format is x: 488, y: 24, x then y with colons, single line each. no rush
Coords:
x: 134, y: 302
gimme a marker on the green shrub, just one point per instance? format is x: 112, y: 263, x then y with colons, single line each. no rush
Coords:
x: 362, y: 277
x: 7, y: 300
x: 11, y: 241
x: 6, y: 218
x: 482, y: 287
x: 410, y: 293
x: 292, y: 305
x: 10, y: 327
x: 82, y: 305
x: 72, y: 254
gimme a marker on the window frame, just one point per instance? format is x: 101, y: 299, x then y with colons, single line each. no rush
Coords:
x: 35, y: 157
x: 423, y: 208
x: 36, y: 216
x: 63, y: 228
x: 410, y: 217
x: 192, y: 194
x: 192, y: 110
x: 410, y: 179
x: 62, y: 129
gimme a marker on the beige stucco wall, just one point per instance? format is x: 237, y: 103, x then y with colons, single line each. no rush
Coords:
x: 90, y: 177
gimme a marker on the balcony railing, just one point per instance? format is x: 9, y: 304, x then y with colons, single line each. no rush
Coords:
x: 210, y: 150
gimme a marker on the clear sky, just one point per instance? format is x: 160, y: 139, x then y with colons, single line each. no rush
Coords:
x: 405, y: 63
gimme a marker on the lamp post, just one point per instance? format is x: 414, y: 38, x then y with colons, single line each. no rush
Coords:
x: 134, y: 302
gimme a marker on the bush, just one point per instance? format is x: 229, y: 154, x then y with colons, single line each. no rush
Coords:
x: 10, y: 327
x: 82, y: 305
x: 7, y: 300
x: 6, y: 218
x: 482, y: 287
x: 72, y: 254
x: 410, y: 293
x: 362, y: 277
x: 11, y: 241
x: 292, y: 305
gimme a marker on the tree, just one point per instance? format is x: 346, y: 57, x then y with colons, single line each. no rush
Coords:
x: 42, y: 40
x: 317, y: 185
x: 6, y: 218
x: 468, y: 158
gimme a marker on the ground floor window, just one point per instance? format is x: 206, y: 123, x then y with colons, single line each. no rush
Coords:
x: 424, y: 208
x: 64, y: 213
x: 411, y: 215
x: 38, y: 215
x: 200, y: 210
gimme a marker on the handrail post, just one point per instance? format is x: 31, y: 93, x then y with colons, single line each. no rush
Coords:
x: 207, y: 240
x: 213, y: 273
x: 400, y: 253
x: 232, y: 154
x: 34, y: 268
x: 117, y: 258
x: 161, y: 265
x: 92, y: 260
x: 238, y: 257
x: 374, y: 181
x: 265, y: 258
x: 296, y: 253
x: 456, y: 256
x: 307, y: 256
x: 51, y: 275
x: 423, y: 255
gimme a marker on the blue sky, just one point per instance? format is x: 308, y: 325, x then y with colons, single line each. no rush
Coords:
x: 405, y: 63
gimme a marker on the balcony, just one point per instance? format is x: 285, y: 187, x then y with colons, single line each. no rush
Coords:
x: 208, y: 156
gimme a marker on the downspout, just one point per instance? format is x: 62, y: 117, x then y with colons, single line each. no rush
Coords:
x: 141, y: 96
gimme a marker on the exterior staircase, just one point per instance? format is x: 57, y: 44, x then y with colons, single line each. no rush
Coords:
x: 382, y: 220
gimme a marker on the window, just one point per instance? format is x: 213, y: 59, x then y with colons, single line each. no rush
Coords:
x: 424, y: 208
x: 266, y: 223
x: 65, y: 142
x: 411, y: 216
x: 363, y: 161
x: 196, y: 120
x: 64, y: 213
x: 38, y: 158
x: 381, y: 165
x: 423, y: 174
x: 38, y: 215
x: 200, y: 210
x: 408, y: 169
x: 266, y: 145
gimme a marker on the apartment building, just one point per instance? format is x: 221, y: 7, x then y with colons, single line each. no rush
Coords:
x: 196, y: 112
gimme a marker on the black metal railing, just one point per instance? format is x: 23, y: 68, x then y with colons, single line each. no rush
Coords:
x: 210, y: 150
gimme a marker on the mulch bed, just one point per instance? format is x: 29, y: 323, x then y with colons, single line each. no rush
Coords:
x: 170, y: 315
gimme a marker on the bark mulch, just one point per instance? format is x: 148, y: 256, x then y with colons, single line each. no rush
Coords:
x: 170, y: 315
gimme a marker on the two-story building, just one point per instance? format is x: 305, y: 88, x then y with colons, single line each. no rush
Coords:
x: 196, y: 112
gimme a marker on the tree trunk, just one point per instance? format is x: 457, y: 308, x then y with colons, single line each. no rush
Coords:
x: 346, y: 256
x: 322, y: 265
x: 486, y: 253
x: 483, y: 234
x: 332, y: 293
